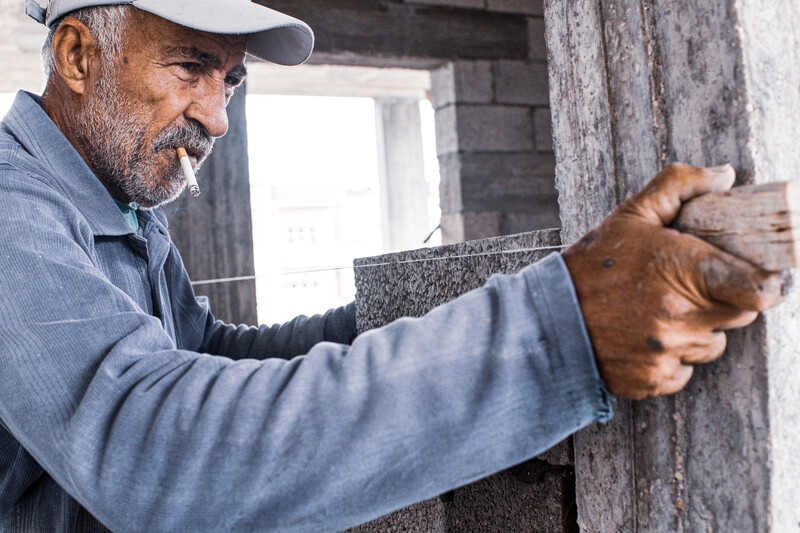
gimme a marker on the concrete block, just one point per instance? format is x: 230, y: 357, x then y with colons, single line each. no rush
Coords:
x: 460, y: 227
x: 535, y: 496
x: 466, y: 82
x: 497, y: 181
x: 562, y: 454
x: 543, y: 129
x: 527, y: 7
x: 427, y: 281
x: 427, y: 516
x: 521, y: 82
x: 446, y: 130
x: 450, y: 183
x: 484, y: 128
x: 537, y: 47
x: 452, y: 226
x: 538, y: 499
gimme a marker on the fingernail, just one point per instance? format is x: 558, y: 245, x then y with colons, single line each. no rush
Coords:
x: 722, y: 169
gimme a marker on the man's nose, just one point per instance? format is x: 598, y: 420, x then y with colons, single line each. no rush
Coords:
x: 209, y: 109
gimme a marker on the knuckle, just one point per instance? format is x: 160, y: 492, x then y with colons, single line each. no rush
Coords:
x: 717, y: 346
x: 678, y: 167
x: 771, y: 289
x: 666, y: 367
x: 743, y: 319
x: 674, y: 305
x: 679, y: 380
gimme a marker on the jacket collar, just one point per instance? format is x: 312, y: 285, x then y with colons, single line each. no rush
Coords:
x: 42, y: 139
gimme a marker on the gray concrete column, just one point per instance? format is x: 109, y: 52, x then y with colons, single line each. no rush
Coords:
x: 636, y: 85
x: 404, y: 192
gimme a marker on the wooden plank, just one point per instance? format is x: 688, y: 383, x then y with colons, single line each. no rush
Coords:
x: 760, y: 223
x: 581, y: 119
x: 377, y: 31
x: 586, y: 182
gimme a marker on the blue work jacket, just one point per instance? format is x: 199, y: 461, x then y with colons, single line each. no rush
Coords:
x: 123, y: 402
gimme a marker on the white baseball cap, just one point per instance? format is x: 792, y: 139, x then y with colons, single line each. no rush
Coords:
x: 271, y: 35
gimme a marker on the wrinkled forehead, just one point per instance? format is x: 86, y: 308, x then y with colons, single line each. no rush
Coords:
x: 146, y: 30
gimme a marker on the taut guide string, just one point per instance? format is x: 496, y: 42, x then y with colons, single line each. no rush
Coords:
x: 372, y: 265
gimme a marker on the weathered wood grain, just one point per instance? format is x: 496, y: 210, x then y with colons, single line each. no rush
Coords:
x: 379, y: 31
x: 637, y: 84
x: 760, y: 223
x: 585, y: 179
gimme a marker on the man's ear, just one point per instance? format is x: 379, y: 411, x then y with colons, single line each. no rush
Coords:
x: 74, y: 50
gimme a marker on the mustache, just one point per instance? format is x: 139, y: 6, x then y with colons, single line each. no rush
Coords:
x: 191, y: 136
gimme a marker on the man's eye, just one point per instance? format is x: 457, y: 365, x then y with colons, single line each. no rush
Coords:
x: 233, y: 81
x: 190, y: 67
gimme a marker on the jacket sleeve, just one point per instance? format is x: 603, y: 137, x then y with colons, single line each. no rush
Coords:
x: 285, y: 341
x: 152, y: 438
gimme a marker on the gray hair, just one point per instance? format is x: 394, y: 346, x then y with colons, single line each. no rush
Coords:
x: 106, y: 23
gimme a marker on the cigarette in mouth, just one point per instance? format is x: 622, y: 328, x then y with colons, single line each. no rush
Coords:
x: 188, y: 171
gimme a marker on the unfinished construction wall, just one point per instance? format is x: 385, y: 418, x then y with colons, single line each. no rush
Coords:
x: 494, y: 140
x: 636, y: 85
x: 488, y: 87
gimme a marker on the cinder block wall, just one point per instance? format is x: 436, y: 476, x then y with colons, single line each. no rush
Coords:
x: 489, y: 89
x: 493, y: 136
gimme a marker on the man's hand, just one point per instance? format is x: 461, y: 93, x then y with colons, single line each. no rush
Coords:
x: 655, y: 301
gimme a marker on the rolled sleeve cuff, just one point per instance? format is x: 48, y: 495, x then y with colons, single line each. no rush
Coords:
x: 573, y: 363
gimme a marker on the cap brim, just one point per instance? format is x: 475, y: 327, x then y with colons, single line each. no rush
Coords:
x: 271, y: 35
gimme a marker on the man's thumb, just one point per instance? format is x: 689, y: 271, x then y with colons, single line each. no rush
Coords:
x: 660, y: 201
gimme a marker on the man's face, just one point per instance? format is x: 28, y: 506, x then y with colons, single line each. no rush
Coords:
x: 168, y: 88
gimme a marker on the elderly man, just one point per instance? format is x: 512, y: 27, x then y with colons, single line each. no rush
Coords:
x: 125, y: 405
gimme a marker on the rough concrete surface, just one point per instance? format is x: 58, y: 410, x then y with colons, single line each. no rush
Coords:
x: 536, y: 496
x: 512, y: 503
x: 411, y: 283
x: 636, y: 85
x: 424, y: 517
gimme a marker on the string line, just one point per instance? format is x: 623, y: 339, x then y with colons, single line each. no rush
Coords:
x: 373, y: 265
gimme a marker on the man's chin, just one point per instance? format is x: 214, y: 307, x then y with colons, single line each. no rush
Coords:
x: 158, y: 196
x: 151, y: 203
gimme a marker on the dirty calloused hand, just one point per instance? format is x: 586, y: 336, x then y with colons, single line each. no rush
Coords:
x: 656, y: 301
